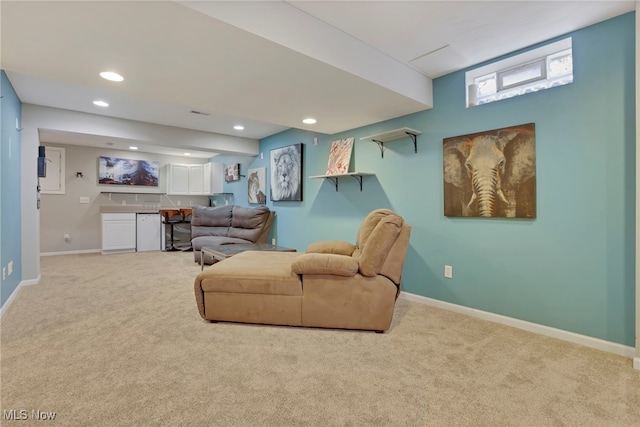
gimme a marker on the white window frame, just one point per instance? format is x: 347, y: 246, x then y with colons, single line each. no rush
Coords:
x: 518, y: 64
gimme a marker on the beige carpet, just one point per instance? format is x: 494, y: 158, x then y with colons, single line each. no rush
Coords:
x: 116, y: 340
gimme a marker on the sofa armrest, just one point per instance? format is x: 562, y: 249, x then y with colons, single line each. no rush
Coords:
x: 332, y: 264
x: 339, y: 247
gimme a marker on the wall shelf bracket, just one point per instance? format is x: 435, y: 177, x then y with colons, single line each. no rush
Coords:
x: 392, y: 135
x: 414, y: 137
x: 380, y: 146
x: 335, y: 178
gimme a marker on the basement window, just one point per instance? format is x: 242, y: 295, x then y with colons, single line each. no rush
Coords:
x: 538, y: 69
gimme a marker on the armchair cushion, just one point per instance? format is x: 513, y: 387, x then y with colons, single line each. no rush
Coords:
x: 339, y: 247
x: 332, y: 264
x: 369, y: 224
x: 372, y: 256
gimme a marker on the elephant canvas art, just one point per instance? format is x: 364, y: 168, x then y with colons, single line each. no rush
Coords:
x: 491, y: 173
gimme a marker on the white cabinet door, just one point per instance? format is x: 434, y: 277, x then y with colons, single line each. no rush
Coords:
x: 196, y: 180
x: 118, y: 232
x: 178, y: 177
x: 148, y: 231
x: 186, y: 179
x: 213, y: 178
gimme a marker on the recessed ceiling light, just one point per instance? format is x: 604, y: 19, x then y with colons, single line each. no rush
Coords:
x: 110, y: 75
x: 187, y: 154
x: 238, y: 127
x: 101, y: 103
x: 309, y: 121
x: 133, y: 148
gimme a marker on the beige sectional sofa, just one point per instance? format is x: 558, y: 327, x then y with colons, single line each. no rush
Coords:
x: 211, y: 226
x: 335, y: 284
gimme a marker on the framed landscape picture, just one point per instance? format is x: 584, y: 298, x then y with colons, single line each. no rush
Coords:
x: 116, y: 171
x: 286, y: 173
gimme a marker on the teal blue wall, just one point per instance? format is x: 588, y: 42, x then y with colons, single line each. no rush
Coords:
x: 572, y: 267
x: 10, y: 202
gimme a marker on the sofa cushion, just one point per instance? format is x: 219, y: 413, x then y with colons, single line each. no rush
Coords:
x: 253, y: 272
x: 210, y: 221
x: 372, y: 256
x: 208, y: 241
x: 337, y: 265
x: 339, y: 247
x: 248, y: 223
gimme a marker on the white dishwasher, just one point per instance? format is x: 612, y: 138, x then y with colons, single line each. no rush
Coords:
x: 148, y: 230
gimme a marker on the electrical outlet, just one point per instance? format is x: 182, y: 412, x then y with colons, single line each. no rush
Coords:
x: 10, y: 268
x: 273, y: 241
x: 4, y: 273
x: 84, y: 200
x: 67, y: 237
x: 448, y: 272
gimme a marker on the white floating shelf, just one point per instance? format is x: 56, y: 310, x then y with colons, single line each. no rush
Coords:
x: 357, y: 175
x: 392, y: 135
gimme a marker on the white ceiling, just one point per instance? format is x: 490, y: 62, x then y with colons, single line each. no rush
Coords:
x: 264, y: 64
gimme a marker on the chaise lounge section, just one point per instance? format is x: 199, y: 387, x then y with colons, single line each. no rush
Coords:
x: 335, y: 284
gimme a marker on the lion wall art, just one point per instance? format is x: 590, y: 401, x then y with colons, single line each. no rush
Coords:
x: 286, y: 173
x: 491, y: 173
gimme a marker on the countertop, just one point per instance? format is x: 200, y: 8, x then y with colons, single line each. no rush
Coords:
x: 128, y: 209
x: 142, y: 209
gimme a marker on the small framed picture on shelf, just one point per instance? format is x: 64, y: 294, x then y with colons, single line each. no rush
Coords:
x: 339, y: 156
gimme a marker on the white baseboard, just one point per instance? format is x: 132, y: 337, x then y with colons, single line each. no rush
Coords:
x: 14, y: 294
x: 85, y: 251
x: 596, y: 343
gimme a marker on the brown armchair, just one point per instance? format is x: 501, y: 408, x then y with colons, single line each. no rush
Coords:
x: 335, y: 284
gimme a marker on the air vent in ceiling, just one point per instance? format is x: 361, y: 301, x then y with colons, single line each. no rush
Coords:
x: 199, y: 112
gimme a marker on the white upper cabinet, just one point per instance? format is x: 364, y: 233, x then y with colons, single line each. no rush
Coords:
x: 213, y: 178
x: 178, y: 179
x: 197, y: 179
